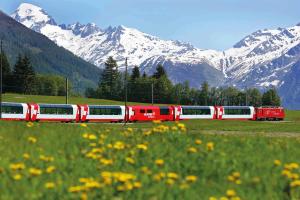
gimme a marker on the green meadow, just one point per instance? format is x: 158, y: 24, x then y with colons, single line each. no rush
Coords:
x: 196, y: 159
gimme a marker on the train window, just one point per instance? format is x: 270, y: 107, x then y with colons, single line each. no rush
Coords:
x: 7, y: 109
x: 105, y: 111
x: 149, y: 111
x: 237, y: 111
x: 196, y: 111
x: 142, y: 111
x: 164, y: 111
x: 51, y: 110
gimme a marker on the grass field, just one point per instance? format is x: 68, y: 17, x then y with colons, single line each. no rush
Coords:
x: 196, y: 159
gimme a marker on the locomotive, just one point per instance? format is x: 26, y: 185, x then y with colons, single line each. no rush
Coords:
x: 138, y: 113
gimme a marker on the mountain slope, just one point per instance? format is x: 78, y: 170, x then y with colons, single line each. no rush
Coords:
x: 266, y: 58
x: 45, y: 55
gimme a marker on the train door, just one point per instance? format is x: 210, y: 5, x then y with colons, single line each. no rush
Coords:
x: 220, y: 112
x: 177, y: 112
x: 84, y: 110
x: 34, y: 108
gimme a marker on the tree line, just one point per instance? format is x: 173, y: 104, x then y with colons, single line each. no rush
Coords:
x: 139, y: 86
x: 24, y: 80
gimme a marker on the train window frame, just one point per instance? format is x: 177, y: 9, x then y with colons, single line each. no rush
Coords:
x: 53, y: 110
x: 237, y: 111
x: 105, y: 111
x: 12, y: 109
x: 196, y: 111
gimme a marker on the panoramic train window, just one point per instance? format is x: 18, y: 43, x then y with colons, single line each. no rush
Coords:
x: 237, y: 111
x: 51, y: 110
x: 149, y: 111
x: 105, y: 111
x: 164, y: 111
x: 196, y: 111
x: 9, y: 109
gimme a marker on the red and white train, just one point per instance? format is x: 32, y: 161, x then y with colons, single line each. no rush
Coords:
x: 105, y: 113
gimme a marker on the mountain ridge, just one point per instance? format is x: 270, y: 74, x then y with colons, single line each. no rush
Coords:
x: 257, y: 60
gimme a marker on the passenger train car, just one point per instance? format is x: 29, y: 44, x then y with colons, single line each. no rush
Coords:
x: 101, y: 113
x: 114, y: 113
x: 15, y: 111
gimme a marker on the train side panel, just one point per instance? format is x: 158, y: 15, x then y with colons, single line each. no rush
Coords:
x: 102, y: 113
x: 235, y: 112
x: 15, y: 111
x: 150, y: 113
x: 57, y: 112
x: 270, y: 113
x: 197, y: 112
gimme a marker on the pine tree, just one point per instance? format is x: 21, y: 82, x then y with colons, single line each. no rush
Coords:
x: 109, y: 82
x: 271, y: 98
x: 160, y: 71
x: 135, y: 73
x: 6, y: 73
x: 24, y: 76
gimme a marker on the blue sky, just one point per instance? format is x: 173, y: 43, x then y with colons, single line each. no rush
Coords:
x: 207, y: 24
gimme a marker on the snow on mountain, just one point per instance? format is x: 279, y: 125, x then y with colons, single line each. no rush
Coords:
x: 32, y: 16
x: 95, y: 45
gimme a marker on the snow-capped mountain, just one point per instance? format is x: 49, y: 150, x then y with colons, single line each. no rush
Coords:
x: 265, y: 58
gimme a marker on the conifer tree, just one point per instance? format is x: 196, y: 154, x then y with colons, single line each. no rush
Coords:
x: 160, y: 71
x: 271, y: 98
x: 6, y: 73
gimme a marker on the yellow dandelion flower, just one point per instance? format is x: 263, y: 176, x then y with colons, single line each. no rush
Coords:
x: 192, y: 150
x: 17, y: 177
x: 235, y: 198
x: 142, y: 147
x: 26, y: 156
x: 130, y: 160
x: 238, y: 182
x: 198, y: 141
x: 49, y: 185
x: 230, y: 193
x: 191, y: 178
x: 174, y: 128
x: 224, y: 198
x: 50, y: 169
x: 32, y: 140
x: 295, y: 183
x: 83, y: 125
x: 236, y: 174
x: 84, y: 196
x: 92, y: 137
x: 35, y: 171
x: 277, y: 162
x: 159, y: 162
x: 212, y: 198
x: 145, y: 170
x: 17, y: 166
x: 210, y: 146
x: 172, y: 175
x: 119, y: 145
x: 29, y: 124
x: 75, y: 189
x: 170, y: 181
x: 130, y: 130
x: 106, y: 161
x: 184, y: 186
x: 137, y: 184
x: 230, y: 178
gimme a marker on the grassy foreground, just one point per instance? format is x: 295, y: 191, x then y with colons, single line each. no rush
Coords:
x: 145, y: 161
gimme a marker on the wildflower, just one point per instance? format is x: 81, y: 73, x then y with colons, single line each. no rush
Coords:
x: 32, y: 140
x: 191, y: 178
x: 170, y: 181
x: 277, y: 162
x: 83, y: 125
x: 17, y: 166
x: 174, y: 128
x: 49, y: 185
x: 106, y: 161
x: 35, y: 171
x: 130, y: 160
x: 75, y: 189
x: 192, y: 150
x: 17, y: 177
x: 92, y: 137
x: 212, y: 198
x: 159, y: 162
x: 46, y: 158
x: 238, y: 182
x: 295, y: 183
x: 137, y: 184
x: 83, y: 196
x: 130, y: 130
x: 210, y: 146
x: 231, y: 178
x: 142, y: 147
x: 183, y: 186
x: 146, y: 170
x: 119, y: 145
x: 172, y: 175
x: 26, y: 156
x: 230, y: 193
x: 50, y: 169
x: 224, y: 198
x: 236, y: 174
x: 198, y: 141
x: 29, y: 124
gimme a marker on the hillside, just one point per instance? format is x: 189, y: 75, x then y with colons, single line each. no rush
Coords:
x: 46, y: 56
